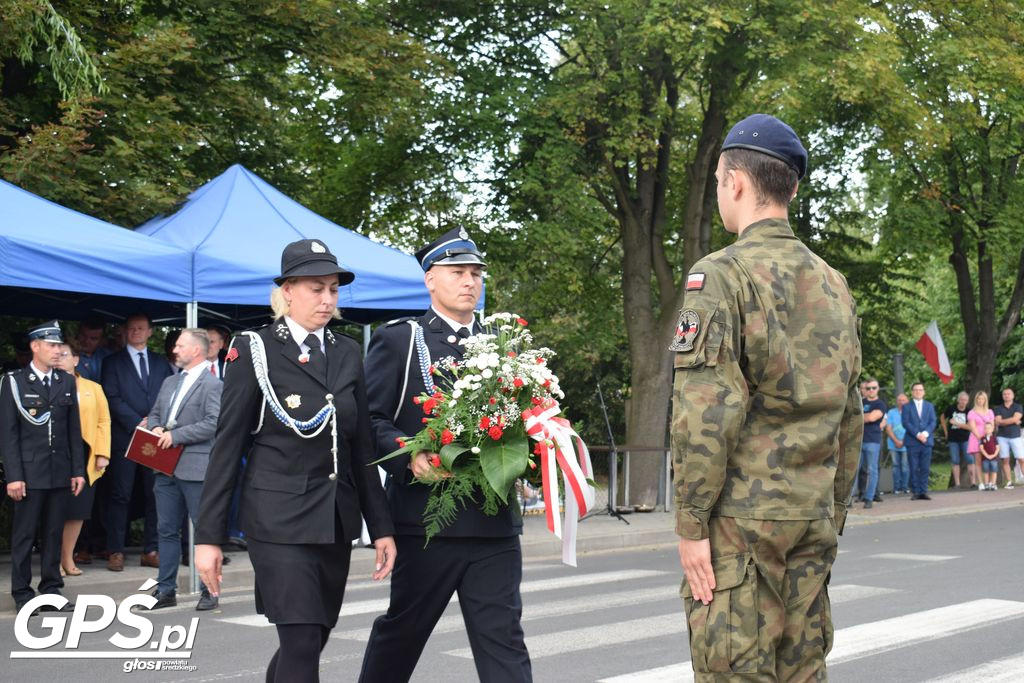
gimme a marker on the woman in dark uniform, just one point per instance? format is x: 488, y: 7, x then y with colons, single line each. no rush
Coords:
x: 295, y: 400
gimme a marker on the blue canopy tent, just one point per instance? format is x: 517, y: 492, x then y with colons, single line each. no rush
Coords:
x: 236, y: 225
x: 56, y: 262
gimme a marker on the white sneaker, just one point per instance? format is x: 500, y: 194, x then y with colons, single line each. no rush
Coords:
x: 1009, y: 485
x: 982, y: 487
x: 992, y: 487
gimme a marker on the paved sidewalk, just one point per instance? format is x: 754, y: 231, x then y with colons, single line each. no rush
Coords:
x: 598, y: 532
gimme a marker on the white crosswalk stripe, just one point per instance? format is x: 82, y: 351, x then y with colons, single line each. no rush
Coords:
x: 1005, y: 670
x: 912, y: 557
x: 875, y: 637
x: 380, y: 605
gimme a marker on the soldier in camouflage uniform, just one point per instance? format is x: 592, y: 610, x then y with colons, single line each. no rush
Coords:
x: 766, y: 425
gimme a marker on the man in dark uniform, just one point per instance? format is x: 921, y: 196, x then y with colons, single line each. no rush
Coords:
x: 478, y: 556
x: 41, y: 445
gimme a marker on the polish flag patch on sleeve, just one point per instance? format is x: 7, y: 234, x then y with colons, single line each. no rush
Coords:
x: 694, y: 281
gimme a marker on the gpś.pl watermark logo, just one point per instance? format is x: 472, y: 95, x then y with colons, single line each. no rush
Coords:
x: 175, y: 643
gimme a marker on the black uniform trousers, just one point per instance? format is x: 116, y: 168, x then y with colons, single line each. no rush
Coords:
x: 486, y: 573
x: 44, y: 509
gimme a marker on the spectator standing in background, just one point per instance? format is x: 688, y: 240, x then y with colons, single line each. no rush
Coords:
x: 91, y: 349
x: 920, y: 422
x: 218, y: 341
x: 979, y: 415
x: 957, y: 431
x: 989, y: 455
x: 874, y: 415
x: 896, y: 432
x: 1008, y: 417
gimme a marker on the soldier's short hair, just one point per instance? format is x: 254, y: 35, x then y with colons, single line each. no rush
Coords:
x: 774, y: 180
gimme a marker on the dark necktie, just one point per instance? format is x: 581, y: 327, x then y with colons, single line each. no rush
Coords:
x: 462, y: 333
x: 46, y: 384
x: 143, y: 369
x: 317, y: 361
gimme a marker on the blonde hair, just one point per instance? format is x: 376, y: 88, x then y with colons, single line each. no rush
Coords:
x: 981, y: 394
x: 279, y: 306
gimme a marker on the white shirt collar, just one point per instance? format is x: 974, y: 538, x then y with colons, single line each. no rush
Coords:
x: 299, y: 334
x: 39, y: 373
x: 195, y: 372
x: 455, y: 325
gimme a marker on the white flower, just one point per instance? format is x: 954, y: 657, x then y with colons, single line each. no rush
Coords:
x: 456, y: 394
x: 475, y: 450
x: 487, y: 373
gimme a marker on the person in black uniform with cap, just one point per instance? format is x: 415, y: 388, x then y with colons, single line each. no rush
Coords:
x: 478, y: 555
x: 294, y: 400
x: 41, y: 445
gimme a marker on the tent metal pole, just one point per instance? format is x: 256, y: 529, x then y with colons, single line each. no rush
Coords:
x: 366, y: 340
x: 192, y: 320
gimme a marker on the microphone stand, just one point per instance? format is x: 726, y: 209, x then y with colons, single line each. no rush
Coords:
x: 613, y: 460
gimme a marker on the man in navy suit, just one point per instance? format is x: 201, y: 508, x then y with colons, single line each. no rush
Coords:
x: 131, y: 381
x: 919, y: 421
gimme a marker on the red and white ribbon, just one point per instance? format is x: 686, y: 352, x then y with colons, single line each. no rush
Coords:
x: 555, y: 437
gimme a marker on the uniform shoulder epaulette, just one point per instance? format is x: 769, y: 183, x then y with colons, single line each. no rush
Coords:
x: 398, y: 321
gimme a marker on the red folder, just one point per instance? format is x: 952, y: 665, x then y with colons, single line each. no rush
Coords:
x: 143, y: 450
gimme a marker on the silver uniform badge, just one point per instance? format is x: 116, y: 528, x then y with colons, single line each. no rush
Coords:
x: 293, y: 401
x: 686, y: 330
x: 317, y: 248
x: 463, y: 234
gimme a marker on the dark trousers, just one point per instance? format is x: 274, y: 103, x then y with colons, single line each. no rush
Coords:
x: 486, y: 573
x: 920, y: 457
x: 120, y: 478
x: 174, y: 498
x: 45, y: 509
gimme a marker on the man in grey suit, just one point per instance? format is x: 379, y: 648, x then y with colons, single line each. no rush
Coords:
x: 185, y: 414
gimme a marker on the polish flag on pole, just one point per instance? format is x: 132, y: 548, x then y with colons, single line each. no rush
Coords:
x: 934, y: 351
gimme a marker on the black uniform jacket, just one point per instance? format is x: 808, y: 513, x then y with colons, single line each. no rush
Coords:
x: 287, y: 493
x: 393, y: 378
x: 42, y: 457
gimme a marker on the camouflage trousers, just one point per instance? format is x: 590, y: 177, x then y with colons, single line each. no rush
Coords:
x: 770, y: 618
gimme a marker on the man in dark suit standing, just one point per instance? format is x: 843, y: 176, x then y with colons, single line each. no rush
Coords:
x: 919, y: 421
x: 131, y: 381
x: 478, y: 555
x: 41, y: 445
x: 185, y: 414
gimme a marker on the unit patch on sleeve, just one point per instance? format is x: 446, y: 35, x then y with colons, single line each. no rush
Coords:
x: 686, y: 330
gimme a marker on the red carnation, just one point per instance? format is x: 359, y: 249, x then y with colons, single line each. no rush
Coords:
x: 485, y: 422
x: 401, y: 442
x: 540, y: 361
x: 533, y: 465
x: 537, y: 449
x: 435, y: 460
x: 494, y: 432
x: 492, y: 400
x: 429, y: 405
x: 447, y: 437
x: 424, y: 420
x: 517, y: 382
x: 522, y: 321
x: 232, y: 354
x: 546, y: 383
x: 416, y: 400
x: 511, y: 354
x: 535, y: 401
x: 500, y: 380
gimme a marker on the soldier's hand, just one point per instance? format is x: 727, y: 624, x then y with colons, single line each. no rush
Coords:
x: 695, y: 556
x: 423, y: 469
x: 16, y: 490
x: 77, y: 484
x: 209, y: 563
x: 386, y: 554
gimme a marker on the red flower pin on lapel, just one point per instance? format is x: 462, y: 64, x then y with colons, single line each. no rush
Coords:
x: 232, y: 354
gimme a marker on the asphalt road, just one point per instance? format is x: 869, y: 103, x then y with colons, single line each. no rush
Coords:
x: 914, y: 600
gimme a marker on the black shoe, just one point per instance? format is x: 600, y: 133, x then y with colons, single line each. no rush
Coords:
x: 867, y: 505
x: 238, y: 542
x: 206, y: 602
x: 916, y: 496
x: 70, y: 607
x: 20, y: 605
x: 924, y: 496
x: 878, y: 497
x: 168, y: 599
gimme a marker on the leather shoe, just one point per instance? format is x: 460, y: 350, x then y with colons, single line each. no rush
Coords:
x: 18, y: 607
x: 70, y: 607
x: 168, y: 599
x: 150, y: 559
x: 924, y: 496
x: 116, y: 562
x: 867, y: 504
x: 206, y: 602
x: 83, y: 557
x: 238, y: 542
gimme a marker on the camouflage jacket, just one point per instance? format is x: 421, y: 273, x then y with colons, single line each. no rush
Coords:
x: 767, y: 417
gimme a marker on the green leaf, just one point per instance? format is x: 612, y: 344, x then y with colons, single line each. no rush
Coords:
x: 450, y: 452
x: 502, y: 463
x: 394, y: 454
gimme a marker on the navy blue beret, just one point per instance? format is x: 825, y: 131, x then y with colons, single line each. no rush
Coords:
x: 766, y: 134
